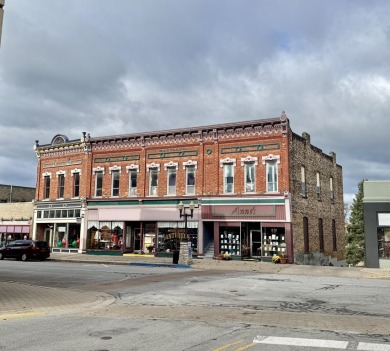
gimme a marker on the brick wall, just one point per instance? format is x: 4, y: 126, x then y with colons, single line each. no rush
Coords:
x: 209, y: 173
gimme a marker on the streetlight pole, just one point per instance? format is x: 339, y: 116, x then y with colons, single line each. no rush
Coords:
x: 183, y: 213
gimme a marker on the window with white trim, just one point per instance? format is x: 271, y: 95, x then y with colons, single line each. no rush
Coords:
x: 228, y: 178
x: 98, y: 183
x: 133, y: 170
x: 249, y: 164
x: 115, y: 177
x: 153, y: 169
x: 228, y: 165
x: 171, y: 186
x: 133, y: 183
x: 190, y: 180
x: 46, y: 184
x: 61, y: 185
x: 272, y: 176
x: 250, y: 180
x: 153, y: 183
x: 76, y: 184
x: 271, y: 162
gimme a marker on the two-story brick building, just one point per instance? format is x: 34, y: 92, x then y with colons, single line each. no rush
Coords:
x: 256, y: 189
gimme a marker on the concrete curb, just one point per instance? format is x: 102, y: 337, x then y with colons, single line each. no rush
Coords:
x: 172, y: 265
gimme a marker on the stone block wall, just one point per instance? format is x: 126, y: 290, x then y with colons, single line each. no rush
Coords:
x: 16, y: 211
x: 316, y: 204
x: 12, y: 193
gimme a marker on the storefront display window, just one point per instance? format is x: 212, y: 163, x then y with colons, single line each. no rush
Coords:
x: 229, y: 240
x: 384, y: 242
x: 104, y: 235
x: 67, y: 235
x: 170, y: 234
x: 274, y: 242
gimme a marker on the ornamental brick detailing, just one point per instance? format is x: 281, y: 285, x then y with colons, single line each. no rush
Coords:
x: 225, y: 161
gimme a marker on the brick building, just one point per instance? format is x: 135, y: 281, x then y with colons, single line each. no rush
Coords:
x: 254, y: 189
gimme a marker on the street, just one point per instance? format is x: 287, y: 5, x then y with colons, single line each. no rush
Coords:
x: 81, y: 306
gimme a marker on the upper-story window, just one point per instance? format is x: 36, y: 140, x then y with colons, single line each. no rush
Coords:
x: 115, y: 180
x: 228, y: 165
x: 61, y: 185
x: 303, y: 181
x: 153, y: 169
x: 76, y: 182
x: 271, y: 162
x: 171, y: 181
x: 133, y: 183
x: 249, y: 164
x: 171, y: 169
x: 99, y: 173
x: 133, y: 179
x: 190, y: 168
x: 331, y: 190
x: 228, y: 178
x: 318, y: 185
x: 46, y: 185
x: 115, y: 176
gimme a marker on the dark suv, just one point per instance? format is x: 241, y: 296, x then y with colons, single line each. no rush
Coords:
x: 25, y: 250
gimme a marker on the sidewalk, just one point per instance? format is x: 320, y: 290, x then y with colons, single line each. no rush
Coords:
x: 232, y: 265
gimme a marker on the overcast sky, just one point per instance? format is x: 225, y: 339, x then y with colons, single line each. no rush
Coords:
x: 126, y: 66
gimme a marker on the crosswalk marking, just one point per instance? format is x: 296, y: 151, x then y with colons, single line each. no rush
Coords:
x: 364, y: 346
x: 274, y: 340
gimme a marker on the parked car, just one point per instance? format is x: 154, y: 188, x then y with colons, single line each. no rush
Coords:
x: 25, y: 250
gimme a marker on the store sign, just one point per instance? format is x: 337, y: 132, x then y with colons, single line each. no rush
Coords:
x: 384, y: 219
x: 61, y: 229
x: 244, y: 210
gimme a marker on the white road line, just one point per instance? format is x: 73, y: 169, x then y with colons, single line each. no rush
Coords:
x: 274, y: 340
x: 364, y: 346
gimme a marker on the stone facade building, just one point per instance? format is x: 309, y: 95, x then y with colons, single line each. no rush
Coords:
x: 16, y: 211
x: 239, y: 187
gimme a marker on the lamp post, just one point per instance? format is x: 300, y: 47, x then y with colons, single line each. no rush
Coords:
x: 185, y: 246
x: 182, y: 210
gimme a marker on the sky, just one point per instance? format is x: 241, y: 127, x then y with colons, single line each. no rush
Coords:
x: 129, y: 66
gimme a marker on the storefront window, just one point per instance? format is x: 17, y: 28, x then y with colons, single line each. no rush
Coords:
x: 384, y: 242
x: 170, y: 234
x: 104, y: 235
x: 229, y: 240
x: 67, y: 235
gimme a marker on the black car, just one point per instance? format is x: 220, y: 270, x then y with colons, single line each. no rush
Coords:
x: 25, y: 250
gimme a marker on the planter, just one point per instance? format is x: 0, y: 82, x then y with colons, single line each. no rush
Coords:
x: 283, y: 260
x: 220, y: 257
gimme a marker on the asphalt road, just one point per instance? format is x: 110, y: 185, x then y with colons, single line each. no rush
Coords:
x: 98, y: 307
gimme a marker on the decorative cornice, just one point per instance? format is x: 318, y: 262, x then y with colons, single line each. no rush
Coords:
x: 194, y: 135
x: 62, y: 163
x: 227, y: 160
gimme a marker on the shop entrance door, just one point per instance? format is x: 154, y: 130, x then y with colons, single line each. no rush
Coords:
x: 255, y: 243
x: 137, y: 240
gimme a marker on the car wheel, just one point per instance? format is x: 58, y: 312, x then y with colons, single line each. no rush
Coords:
x: 1, y: 256
x: 24, y: 257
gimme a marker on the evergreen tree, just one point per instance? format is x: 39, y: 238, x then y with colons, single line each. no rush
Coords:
x: 355, y: 236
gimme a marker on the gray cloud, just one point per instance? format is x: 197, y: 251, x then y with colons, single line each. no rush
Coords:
x: 145, y: 65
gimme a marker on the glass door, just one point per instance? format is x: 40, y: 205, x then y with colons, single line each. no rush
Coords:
x: 255, y: 236
x: 137, y: 239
